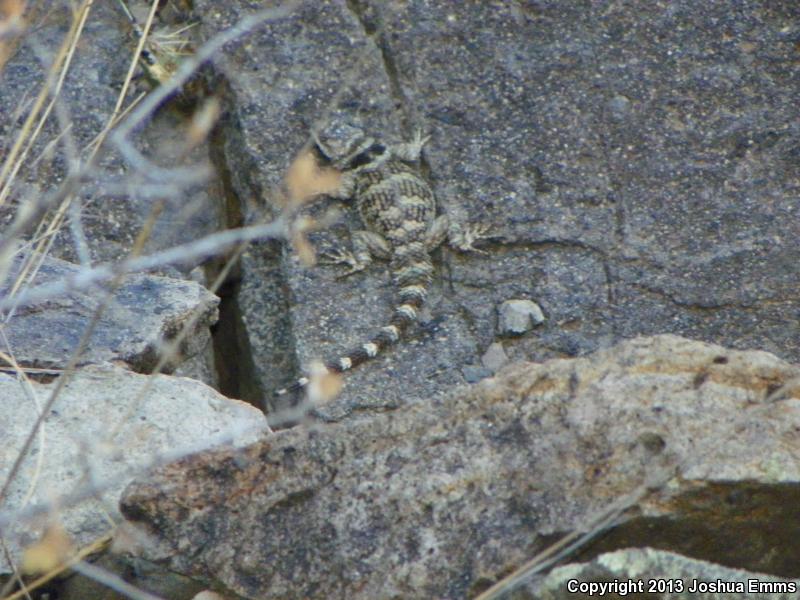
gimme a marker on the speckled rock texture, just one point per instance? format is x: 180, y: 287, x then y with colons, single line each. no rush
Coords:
x: 145, y: 313
x: 637, y: 163
x: 113, y: 203
x: 664, y: 575
x: 442, y: 498
x: 107, y: 425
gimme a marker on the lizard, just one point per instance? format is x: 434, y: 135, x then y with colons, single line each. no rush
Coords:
x: 398, y: 208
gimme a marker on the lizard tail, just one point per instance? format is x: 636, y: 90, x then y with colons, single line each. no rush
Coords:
x: 412, y: 280
x: 412, y: 273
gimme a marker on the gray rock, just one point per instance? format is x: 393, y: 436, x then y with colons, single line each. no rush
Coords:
x: 518, y: 316
x: 630, y: 195
x: 494, y: 357
x: 109, y: 218
x: 473, y: 374
x: 106, y: 426
x: 146, y: 311
x: 277, y: 86
x: 112, y: 205
x: 445, y: 497
x: 146, y: 577
x: 665, y: 574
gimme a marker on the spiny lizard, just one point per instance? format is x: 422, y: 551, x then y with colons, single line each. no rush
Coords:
x: 398, y: 209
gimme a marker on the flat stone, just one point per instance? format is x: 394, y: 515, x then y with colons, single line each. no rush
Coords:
x: 146, y: 311
x: 494, y: 357
x: 107, y: 426
x: 473, y: 374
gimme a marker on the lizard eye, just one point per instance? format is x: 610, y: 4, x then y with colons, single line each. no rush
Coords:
x: 367, y: 156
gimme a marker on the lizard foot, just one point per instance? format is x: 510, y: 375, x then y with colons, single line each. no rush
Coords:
x: 463, y: 238
x: 338, y: 256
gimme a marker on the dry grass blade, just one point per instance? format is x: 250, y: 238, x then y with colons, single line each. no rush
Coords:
x: 16, y: 577
x: 68, y: 370
x: 30, y: 394
x: 144, y: 234
x: 135, y: 60
x: 56, y: 392
x: 52, y: 87
x: 112, y: 581
x: 187, y: 68
x: 124, y: 475
x: 92, y: 548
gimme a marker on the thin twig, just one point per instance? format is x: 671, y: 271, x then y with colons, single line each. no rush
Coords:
x: 16, y: 577
x: 112, y: 581
x: 173, y: 346
x: 126, y: 474
x: 135, y: 60
x: 92, y: 548
x: 206, y: 247
x: 30, y: 392
x: 56, y: 392
x: 187, y: 68
x: 72, y: 363
x: 51, y: 88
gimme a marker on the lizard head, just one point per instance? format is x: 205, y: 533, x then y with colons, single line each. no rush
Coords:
x: 346, y: 146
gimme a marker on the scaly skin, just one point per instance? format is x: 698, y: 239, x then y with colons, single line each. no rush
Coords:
x: 398, y: 209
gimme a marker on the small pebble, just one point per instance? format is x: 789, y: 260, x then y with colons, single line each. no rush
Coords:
x: 494, y: 357
x: 519, y: 316
x: 473, y: 374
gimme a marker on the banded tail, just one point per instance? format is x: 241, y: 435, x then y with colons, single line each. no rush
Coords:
x: 412, y: 272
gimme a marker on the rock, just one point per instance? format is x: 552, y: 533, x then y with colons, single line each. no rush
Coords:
x: 147, y: 310
x: 208, y: 595
x: 296, y: 314
x: 107, y: 425
x: 664, y: 574
x: 494, y: 357
x: 630, y: 195
x: 110, y: 219
x: 113, y: 204
x: 519, y: 316
x: 442, y: 498
x: 473, y: 374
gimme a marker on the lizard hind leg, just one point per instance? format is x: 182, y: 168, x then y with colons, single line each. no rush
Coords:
x: 460, y: 237
x: 437, y: 233
x: 366, y: 244
x: 463, y: 237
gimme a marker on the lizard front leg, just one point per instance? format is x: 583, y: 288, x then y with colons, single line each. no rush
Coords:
x: 346, y: 188
x: 411, y: 151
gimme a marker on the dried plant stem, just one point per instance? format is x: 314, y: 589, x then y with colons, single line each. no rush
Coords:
x: 58, y: 70
x: 210, y: 245
x: 95, y: 546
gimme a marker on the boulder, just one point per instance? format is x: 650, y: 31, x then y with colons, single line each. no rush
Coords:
x: 442, y: 498
x: 106, y: 426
